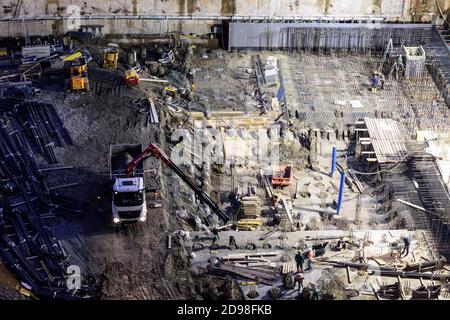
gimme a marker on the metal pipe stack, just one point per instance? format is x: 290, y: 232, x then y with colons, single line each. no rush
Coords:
x: 28, y: 246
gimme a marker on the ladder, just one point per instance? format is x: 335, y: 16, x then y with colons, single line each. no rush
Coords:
x: 17, y: 9
x: 26, y: 32
x: 387, y: 52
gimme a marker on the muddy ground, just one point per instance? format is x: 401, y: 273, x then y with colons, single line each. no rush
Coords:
x: 130, y: 262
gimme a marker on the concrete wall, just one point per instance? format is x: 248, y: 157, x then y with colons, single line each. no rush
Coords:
x: 110, y: 26
x: 404, y: 10
x: 394, y: 8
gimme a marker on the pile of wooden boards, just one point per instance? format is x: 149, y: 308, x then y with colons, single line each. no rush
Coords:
x: 250, y: 207
x: 350, y: 178
x: 264, y: 276
x: 250, y: 260
x: 253, y: 266
x: 288, y: 267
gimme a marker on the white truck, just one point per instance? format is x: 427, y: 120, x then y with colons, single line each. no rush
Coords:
x: 128, y: 199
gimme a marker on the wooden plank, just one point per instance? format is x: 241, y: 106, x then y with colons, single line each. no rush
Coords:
x: 379, y: 261
x: 247, y: 271
x: 237, y: 256
x: 288, y: 267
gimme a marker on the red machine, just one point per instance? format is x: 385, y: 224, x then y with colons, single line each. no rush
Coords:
x: 131, y: 77
x: 151, y: 150
x: 282, y: 176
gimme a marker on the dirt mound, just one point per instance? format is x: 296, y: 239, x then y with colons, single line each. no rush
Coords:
x: 331, y: 285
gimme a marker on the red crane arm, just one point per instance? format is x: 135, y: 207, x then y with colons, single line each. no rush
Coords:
x: 151, y: 150
x: 154, y: 150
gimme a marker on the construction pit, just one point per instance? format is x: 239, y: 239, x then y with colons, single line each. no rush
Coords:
x: 294, y: 147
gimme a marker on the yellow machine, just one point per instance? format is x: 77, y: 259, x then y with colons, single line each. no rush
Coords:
x: 76, y: 70
x: 111, y: 56
x: 170, y: 89
x: 176, y: 93
x: 79, y: 83
x: 131, y: 77
x: 73, y: 56
x: 76, y: 66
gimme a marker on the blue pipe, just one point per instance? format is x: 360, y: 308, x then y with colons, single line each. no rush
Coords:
x: 333, y: 161
x: 341, y: 192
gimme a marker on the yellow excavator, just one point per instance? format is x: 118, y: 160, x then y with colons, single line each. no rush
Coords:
x: 111, y: 56
x: 77, y: 78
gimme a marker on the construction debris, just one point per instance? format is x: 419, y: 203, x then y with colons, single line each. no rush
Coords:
x: 239, y: 196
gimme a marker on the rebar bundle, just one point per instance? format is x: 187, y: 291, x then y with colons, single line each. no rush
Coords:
x: 28, y: 246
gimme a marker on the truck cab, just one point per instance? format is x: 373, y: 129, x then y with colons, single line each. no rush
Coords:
x: 128, y: 199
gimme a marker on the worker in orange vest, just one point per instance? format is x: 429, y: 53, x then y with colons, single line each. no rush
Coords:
x: 311, y: 254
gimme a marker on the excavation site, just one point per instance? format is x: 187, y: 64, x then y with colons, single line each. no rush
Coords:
x: 224, y: 150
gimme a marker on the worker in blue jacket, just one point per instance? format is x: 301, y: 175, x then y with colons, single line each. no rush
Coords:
x: 375, y: 82
x: 406, y: 243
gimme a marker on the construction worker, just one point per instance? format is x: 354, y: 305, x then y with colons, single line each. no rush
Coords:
x: 398, y: 66
x: 299, y: 259
x: 400, y: 62
x: 315, y: 291
x: 311, y: 254
x: 406, y: 243
x: 276, y: 219
x: 232, y: 242
x: 382, y: 80
x: 359, y: 253
x: 215, y: 236
x: 374, y: 82
x: 298, y: 278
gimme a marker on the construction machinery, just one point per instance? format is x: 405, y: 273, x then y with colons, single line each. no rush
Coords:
x: 282, y: 176
x: 3, y: 51
x: 128, y: 188
x: 132, y: 78
x: 128, y: 200
x: 111, y: 56
x: 73, y: 56
x: 175, y: 93
x: 77, y: 78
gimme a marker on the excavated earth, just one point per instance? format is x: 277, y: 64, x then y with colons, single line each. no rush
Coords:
x: 129, y: 262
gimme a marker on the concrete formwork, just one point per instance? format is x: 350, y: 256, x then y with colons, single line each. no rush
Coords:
x: 338, y: 36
